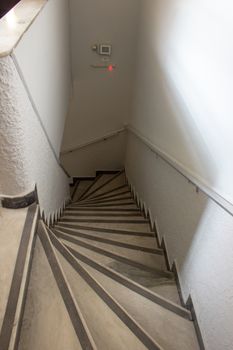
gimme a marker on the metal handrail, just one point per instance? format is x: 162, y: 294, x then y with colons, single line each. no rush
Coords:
x: 94, y: 141
x: 192, y: 178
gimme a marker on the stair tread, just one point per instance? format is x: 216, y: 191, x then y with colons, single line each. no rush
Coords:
x: 12, y: 223
x: 107, y: 219
x: 101, y: 207
x: 119, y: 180
x: 146, y: 279
x: 107, y: 210
x: 114, y: 201
x: 111, y: 259
x: 166, y: 325
x: 99, y: 182
x: 113, y: 198
x: 136, y: 227
x: 46, y: 324
x: 82, y: 186
x: 99, y: 316
x: 147, y: 242
x: 105, y: 214
x: 147, y: 259
x: 90, y: 229
x: 113, y: 191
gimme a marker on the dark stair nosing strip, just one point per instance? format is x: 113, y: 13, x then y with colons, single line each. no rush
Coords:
x: 134, y: 286
x: 75, y: 189
x: 19, y: 202
x: 103, y: 221
x: 107, y: 172
x: 121, y: 258
x: 13, y: 298
x: 99, y: 214
x: 107, y: 230
x: 111, y: 242
x: 105, y: 183
x: 123, y: 315
x: 74, y: 313
x: 79, y: 209
x: 89, y: 187
x: 110, y: 191
x: 90, y: 200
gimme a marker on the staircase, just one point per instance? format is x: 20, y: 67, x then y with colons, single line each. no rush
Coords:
x: 99, y: 280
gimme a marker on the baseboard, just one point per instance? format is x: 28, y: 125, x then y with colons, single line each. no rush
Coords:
x: 84, y: 178
x: 177, y: 277
x: 19, y: 202
x: 190, y: 306
x: 102, y: 172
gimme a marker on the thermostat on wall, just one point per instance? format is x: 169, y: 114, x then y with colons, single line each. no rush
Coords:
x: 105, y: 50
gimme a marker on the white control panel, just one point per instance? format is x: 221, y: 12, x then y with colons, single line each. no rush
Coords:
x: 105, y: 50
x: 102, y: 49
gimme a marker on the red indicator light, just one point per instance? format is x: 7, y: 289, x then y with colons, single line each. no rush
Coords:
x: 110, y: 68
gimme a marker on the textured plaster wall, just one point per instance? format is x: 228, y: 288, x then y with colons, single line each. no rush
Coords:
x: 26, y: 158
x: 35, y: 84
x: 14, y: 178
x: 199, y: 236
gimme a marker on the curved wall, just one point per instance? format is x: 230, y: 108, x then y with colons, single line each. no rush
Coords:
x: 28, y: 97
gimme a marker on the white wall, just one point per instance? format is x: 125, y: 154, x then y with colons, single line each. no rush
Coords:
x: 86, y: 161
x: 34, y: 84
x: 43, y: 55
x: 183, y: 105
x: 198, y: 234
x: 102, y: 100
x: 183, y: 98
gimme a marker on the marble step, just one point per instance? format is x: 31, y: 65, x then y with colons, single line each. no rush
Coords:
x: 152, y: 263
x: 115, y: 206
x: 116, y: 197
x: 46, y: 324
x: 165, y: 302
x: 126, y: 226
x: 99, y: 182
x: 141, y: 241
x: 82, y: 186
x: 114, y: 211
x: 107, y: 229
x: 126, y: 199
x: 118, y: 180
x: 111, y: 181
x: 91, y: 184
x: 17, y: 232
x: 100, y: 214
x: 106, y: 239
x: 167, y: 328
x: 111, y: 326
x: 114, y: 191
x: 104, y: 219
x: 147, y: 279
